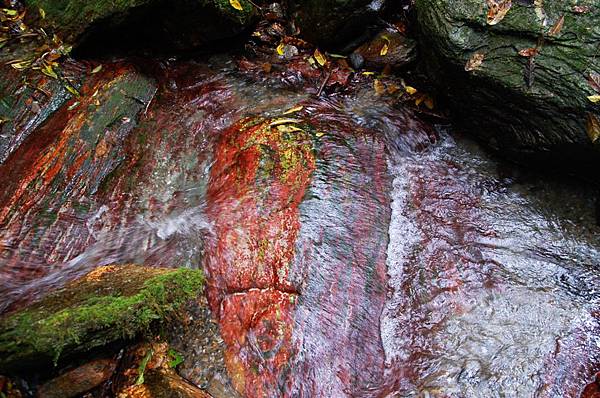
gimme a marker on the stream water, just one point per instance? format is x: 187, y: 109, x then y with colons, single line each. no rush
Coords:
x: 392, y: 258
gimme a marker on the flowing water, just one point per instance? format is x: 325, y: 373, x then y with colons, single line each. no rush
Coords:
x: 363, y: 253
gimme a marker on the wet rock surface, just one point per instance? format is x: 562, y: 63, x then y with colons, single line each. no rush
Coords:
x: 528, y: 96
x: 78, y: 381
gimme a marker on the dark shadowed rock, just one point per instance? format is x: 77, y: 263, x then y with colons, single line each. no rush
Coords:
x: 519, y: 104
x: 332, y: 22
x: 388, y: 48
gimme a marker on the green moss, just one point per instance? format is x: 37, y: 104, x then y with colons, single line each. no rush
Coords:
x: 104, y: 306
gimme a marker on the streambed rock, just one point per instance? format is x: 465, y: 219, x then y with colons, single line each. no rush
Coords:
x: 521, y: 105
x: 106, y: 305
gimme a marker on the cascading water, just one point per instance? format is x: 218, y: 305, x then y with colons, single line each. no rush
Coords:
x: 363, y: 254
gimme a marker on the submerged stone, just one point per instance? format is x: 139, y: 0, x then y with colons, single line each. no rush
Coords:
x: 106, y: 305
x: 525, y: 90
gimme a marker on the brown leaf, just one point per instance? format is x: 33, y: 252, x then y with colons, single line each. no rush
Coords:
x: 474, y: 62
x: 581, y: 9
x: 379, y: 87
x: 497, y: 10
x: 528, y: 52
x: 594, y: 81
x: 557, y: 27
x: 593, y: 127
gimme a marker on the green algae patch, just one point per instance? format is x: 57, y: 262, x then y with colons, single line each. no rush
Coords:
x: 109, y: 304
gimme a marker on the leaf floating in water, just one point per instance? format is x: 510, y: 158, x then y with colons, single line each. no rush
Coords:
x: 557, y: 27
x: 321, y: 60
x: 593, y: 127
x: 288, y: 128
x: 319, y: 134
x: 48, y: 71
x: 474, y: 62
x: 594, y: 98
x: 497, y: 10
x: 72, y: 90
x: 236, y: 4
x: 293, y: 110
x: 97, y: 69
x: 281, y: 121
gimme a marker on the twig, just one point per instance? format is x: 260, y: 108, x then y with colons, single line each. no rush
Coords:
x: 324, y: 83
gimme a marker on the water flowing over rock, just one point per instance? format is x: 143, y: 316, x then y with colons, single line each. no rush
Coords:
x: 527, y: 93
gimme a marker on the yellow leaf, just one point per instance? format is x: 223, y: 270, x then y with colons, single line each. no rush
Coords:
x: 321, y: 60
x: 42, y: 13
x: 384, y: 50
x: 236, y: 4
x: 594, y: 98
x: 288, y: 128
x: 281, y: 121
x: 409, y: 89
x: 280, y: 48
x: 48, y: 71
x: 379, y: 87
x: 72, y: 90
x: 294, y: 110
x: 97, y: 69
x: 319, y: 134
x: 368, y: 73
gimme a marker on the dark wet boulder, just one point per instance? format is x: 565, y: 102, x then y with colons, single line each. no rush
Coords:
x: 104, y: 306
x: 388, y: 48
x: 521, y: 82
x: 181, y: 24
x: 333, y: 22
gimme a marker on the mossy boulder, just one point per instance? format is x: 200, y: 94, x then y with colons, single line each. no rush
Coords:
x: 529, y: 107
x: 332, y: 23
x: 107, y: 305
x: 179, y: 23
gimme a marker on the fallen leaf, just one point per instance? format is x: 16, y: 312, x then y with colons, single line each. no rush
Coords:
x: 281, y: 121
x: 97, y: 69
x: 368, y: 73
x: 410, y: 90
x: 594, y: 80
x: 42, y: 13
x: 72, y: 90
x: 384, y: 50
x: 528, y: 52
x: 281, y: 48
x: 557, y: 27
x: 293, y: 110
x: 593, y: 127
x: 497, y: 10
x: 474, y: 62
x: 581, y: 9
x: 379, y: 87
x: 321, y: 60
x: 236, y: 4
x: 288, y: 128
x: 319, y: 134
x: 594, y: 98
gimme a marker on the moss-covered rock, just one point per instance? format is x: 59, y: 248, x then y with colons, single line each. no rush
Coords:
x: 107, y: 305
x: 518, y: 104
x: 201, y: 20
